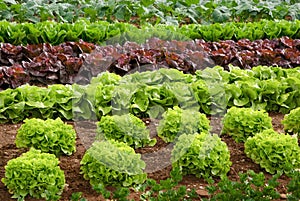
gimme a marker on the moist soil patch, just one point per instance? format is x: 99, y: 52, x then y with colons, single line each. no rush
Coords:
x: 85, y: 136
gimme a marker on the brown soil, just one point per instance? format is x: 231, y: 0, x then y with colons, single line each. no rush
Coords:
x: 157, y: 168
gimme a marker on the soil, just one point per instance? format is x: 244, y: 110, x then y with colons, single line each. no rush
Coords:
x: 156, y: 158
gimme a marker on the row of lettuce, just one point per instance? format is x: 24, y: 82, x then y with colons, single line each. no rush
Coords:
x: 149, y: 12
x: 72, y: 62
x: 103, y: 32
x: 112, y: 161
x: 175, y: 98
x: 42, y: 63
x: 150, y: 93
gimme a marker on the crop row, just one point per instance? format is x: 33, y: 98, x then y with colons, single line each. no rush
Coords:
x: 105, y: 32
x: 111, y: 160
x: 42, y: 63
x: 148, y: 94
x: 165, y: 11
x: 78, y: 61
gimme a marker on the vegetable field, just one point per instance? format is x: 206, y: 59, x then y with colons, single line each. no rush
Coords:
x: 76, y: 183
x: 149, y: 100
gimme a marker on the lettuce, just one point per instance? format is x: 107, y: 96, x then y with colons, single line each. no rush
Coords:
x: 203, y: 155
x: 177, y: 121
x: 241, y: 123
x: 291, y: 122
x: 273, y: 151
x: 36, y: 102
x: 125, y: 128
x: 51, y: 136
x: 150, y: 93
x: 112, y: 163
x: 36, y: 174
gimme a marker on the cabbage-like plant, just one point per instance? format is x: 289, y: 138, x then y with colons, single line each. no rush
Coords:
x: 177, y: 121
x: 36, y: 174
x: 125, y: 128
x: 51, y: 136
x: 203, y: 155
x: 273, y: 151
x: 291, y: 122
x: 112, y: 163
x: 241, y: 123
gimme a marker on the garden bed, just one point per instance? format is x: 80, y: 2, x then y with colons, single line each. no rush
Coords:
x: 86, y: 133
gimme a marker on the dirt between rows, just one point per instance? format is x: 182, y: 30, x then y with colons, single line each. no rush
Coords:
x: 157, y: 168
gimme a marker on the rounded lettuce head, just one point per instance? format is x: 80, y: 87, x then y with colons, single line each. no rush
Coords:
x: 203, y: 155
x: 273, y: 151
x: 34, y: 173
x: 112, y: 163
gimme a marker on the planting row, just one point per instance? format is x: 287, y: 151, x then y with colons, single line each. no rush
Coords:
x: 189, y: 56
x: 42, y: 63
x: 105, y: 32
x: 111, y: 160
x: 79, y: 61
x: 149, y: 94
x: 166, y: 11
x: 11, y: 54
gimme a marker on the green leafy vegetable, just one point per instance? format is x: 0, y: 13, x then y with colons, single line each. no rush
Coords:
x: 167, y: 189
x: 103, y: 31
x: 273, y: 151
x: 251, y: 186
x: 151, y: 93
x: 36, y: 102
x: 294, y: 186
x: 36, y: 174
x: 77, y: 197
x: 291, y: 122
x: 51, y: 136
x: 144, y: 12
x: 112, y: 163
x: 177, y: 121
x: 125, y: 128
x: 203, y: 155
x: 241, y: 123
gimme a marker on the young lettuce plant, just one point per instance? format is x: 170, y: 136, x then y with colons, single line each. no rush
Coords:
x: 77, y: 197
x: 241, y: 123
x: 36, y: 174
x: 125, y: 128
x: 251, y: 186
x: 273, y: 151
x: 294, y: 186
x: 50, y: 136
x: 203, y: 155
x: 167, y: 189
x: 291, y: 122
x: 112, y: 163
x: 177, y: 121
